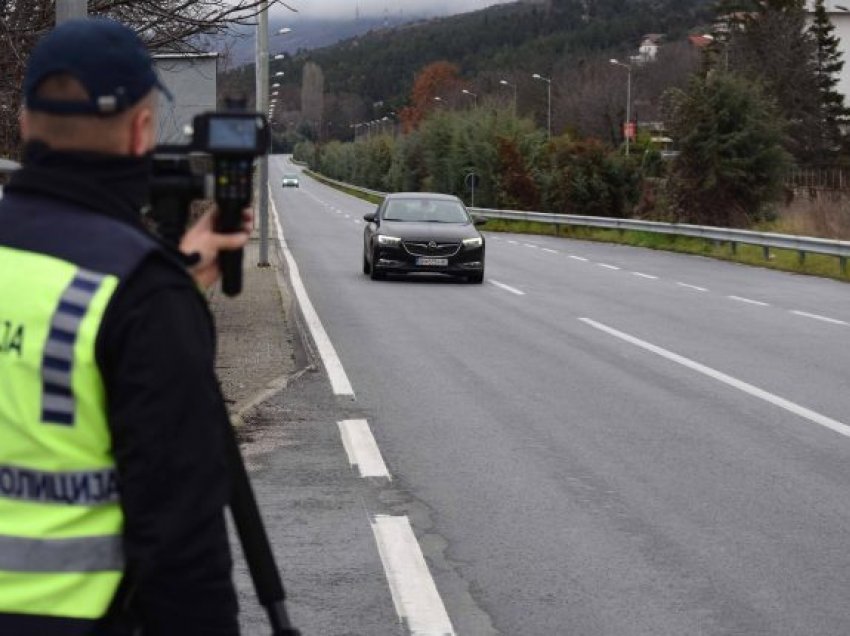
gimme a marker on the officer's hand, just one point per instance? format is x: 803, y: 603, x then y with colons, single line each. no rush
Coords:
x: 205, y: 243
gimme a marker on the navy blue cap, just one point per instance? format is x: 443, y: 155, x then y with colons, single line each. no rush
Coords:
x: 105, y: 56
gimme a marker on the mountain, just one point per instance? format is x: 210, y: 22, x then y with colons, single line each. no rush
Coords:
x: 307, y: 34
x: 369, y: 75
x: 533, y: 34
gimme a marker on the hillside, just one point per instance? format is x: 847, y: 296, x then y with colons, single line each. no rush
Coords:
x: 381, y: 65
x: 307, y: 34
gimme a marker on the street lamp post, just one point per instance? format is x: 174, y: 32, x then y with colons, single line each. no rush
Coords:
x: 627, y: 128
x: 263, y: 105
x: 474, y: 96
x: 262, y: 99
x: 548, y: 81
x: 514, y: 86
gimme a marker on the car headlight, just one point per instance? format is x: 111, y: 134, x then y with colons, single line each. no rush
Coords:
x: 388, y: 241
x: 473, y: 242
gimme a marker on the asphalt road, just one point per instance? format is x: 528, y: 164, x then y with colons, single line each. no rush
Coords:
x: 600, y: 440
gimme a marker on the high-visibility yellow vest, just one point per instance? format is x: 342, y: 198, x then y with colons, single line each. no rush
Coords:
x: 60, y: 518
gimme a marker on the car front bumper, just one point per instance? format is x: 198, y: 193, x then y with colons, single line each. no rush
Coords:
x: 396, y: 260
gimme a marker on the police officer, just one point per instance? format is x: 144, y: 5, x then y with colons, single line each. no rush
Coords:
x: 112, y: 473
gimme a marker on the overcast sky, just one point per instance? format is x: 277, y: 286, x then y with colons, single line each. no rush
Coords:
x: 346, y: 8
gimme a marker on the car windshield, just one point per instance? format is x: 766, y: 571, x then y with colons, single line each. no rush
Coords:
x: 289, y: 176
x: 425, y: 211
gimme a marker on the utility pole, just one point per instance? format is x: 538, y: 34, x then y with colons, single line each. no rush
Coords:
x: 262, y: 64
x: 548, y: 81
x: 629, y: 112
x: 627, y: 128
x: 70, y: 9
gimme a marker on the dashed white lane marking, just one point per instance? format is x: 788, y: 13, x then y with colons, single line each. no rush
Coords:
x: 694, y: 287
x: 530, y: 245
x: 347, y: 216
x: 340, y: 383
x: 507, y: 288
x: 361, y: 448
x: 647, y: 276
x: 748, y: 301
x: 514, y: 242
x: 579, y: 258
x: 791, y: 407
x: 607, y: 266
x: 414, y: 592
x: 546, y: 249
x: 833, y: 321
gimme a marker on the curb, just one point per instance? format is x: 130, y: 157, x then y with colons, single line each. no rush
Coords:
x: 242, y: 409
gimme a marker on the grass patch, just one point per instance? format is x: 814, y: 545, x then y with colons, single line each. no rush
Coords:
x: 355, y: 193
x: 783, y: 260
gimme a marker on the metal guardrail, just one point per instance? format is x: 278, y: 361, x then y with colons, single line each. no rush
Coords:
x: 766, y: 240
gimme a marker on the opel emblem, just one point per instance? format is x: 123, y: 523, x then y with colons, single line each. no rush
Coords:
x: 432, y: 245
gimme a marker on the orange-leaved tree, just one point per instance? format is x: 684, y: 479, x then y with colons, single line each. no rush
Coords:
x: 438, y: 79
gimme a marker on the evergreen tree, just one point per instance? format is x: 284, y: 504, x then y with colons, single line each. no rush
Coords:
x: 770, y: 44
x: 828, y: 66
x: 732, y: 162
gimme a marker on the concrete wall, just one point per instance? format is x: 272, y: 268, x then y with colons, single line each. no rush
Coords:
x: 192, y: 81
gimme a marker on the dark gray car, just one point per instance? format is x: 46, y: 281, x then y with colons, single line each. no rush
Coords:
x: 423, y: 232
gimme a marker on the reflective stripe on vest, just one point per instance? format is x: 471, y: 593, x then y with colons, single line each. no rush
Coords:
x: 86, y: 554
x: 57, y: 401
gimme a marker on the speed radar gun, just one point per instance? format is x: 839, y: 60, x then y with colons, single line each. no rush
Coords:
x: 218, y: 164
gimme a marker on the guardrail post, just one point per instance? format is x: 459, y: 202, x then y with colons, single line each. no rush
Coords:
x: 766, y: 252
x: 801, y: 257
x: 842, y: 263
x: 734, y: 246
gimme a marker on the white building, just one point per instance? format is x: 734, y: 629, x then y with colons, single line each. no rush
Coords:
x: 839, y: 14
x: 192, y: 80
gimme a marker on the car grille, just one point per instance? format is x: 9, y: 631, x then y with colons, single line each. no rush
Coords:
x: 416, y: 248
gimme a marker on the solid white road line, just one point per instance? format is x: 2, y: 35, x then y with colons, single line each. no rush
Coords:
x: 791, y: 407
x: 546, y: 249
x: 749, y: 301
x: 507, y: 288
x: 647, y: 276
x: 336, y: 373
x: 694, y: 287
x: 414, y: 592
x: 361, y: 448
x: 833, y: 321
x: 579, y: 258
x: 606, y: 266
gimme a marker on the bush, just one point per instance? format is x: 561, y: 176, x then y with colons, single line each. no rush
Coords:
x: 732, y: 162
x: 516, y: 167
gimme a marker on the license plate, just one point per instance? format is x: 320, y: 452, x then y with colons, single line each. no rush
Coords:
x: 425, y: 261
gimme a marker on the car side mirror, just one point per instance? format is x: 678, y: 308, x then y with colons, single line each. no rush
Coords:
x: 370, y: 218
x: 478, y: 221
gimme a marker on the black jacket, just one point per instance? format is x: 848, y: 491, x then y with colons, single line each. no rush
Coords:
x: 156, y: 352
